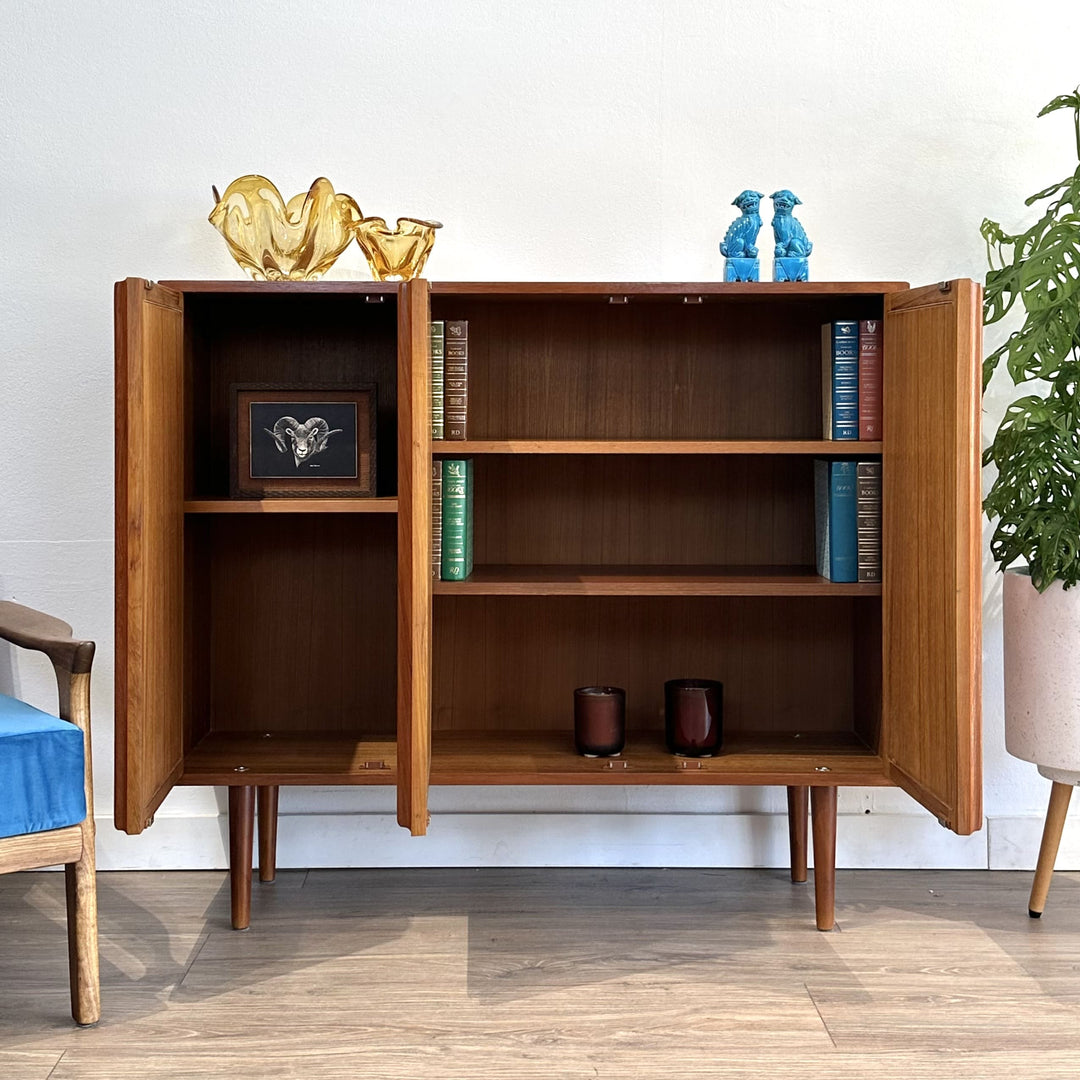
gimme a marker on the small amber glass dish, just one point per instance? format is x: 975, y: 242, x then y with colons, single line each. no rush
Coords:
x: 396, y: 253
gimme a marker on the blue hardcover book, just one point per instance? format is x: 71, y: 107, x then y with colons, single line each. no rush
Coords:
x: 836, y: 519
x: 840, y: 379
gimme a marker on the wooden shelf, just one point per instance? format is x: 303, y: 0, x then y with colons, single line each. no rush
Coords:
x: 289, y: 758
x: 291, y: 506
x: 821, y: 447
x: 637, y: 291
x: 650, y: 581
x: 549, y: 757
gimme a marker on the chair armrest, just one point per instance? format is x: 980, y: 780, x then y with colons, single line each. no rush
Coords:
x: 31, y: 629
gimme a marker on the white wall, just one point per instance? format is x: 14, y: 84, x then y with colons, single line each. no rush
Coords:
x: 556, y: 140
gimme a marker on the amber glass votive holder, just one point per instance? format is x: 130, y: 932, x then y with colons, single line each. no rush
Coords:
x: 693, y: 716
x: 600, y: 720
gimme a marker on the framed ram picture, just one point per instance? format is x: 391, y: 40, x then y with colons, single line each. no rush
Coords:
x: 303, y: 441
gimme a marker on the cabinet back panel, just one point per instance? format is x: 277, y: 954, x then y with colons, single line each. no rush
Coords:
x: 549, y: 369
x: 296, y: 620
x: 336, y: 339
x: 787, y: 664
x: 644, y: 510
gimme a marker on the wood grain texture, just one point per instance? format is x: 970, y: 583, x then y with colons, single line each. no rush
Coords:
x: 823, y: 819
x: 451, y: 448
x: 551, y: 973
x: 291, y: 757
x: 1056, y: 812
x: 80, y: 874
x: 714, y: 291
x: 512, y: 664
x: 29, y: 851
x: 291, y: 338
x: 645, y: 509
x: 414, y: 558
x: 295, y: 629
x: 932, y: 595
x: 549, y: 757
x: 149, y: 549
x: 606, y: 580
x: 798, y: 806
x: 380, y: 291
x: 291, y: 506
x: 241, y: 834
x: 267, y: 805
x: 30, y: 629
x: 542, y: 368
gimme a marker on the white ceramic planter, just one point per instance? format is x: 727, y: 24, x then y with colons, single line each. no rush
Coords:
x: 1042, y: 676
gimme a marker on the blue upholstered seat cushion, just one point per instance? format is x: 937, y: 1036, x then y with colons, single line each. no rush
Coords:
x: 41, y: 770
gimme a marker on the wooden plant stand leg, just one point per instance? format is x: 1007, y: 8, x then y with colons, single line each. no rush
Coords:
x: 241, y: 829
x: 81, y: 884
x: 798, y: 800
x: 1060, y: 794
x: 268, y: 814
x: 823, y: 815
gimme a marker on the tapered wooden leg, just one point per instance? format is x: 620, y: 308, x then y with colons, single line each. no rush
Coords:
x: 1060, y: 794
x: 81, y: 882
x: 241, y: 829
x: 268, y: 809
x: 798, y: 799
x: 823, y: 815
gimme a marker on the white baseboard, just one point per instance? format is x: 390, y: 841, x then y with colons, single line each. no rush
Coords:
x: 872, y: 841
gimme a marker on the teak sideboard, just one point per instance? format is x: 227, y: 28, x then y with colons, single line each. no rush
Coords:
x: 644, y: 510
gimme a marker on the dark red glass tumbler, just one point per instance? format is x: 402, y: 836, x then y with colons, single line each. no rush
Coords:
x: 599, y: 720
x: 693, y: 716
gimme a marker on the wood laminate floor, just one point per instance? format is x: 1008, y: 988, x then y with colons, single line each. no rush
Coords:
x: 476, y: 974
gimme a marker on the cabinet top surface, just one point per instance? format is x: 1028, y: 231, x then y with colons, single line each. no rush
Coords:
x: 602, y: 290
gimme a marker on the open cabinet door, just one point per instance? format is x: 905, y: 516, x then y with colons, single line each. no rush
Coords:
x: 414, y: 557
x: 149, y: 548
x: 932, y: 594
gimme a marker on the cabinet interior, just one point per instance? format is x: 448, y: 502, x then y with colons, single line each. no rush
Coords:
x: 335, y: 339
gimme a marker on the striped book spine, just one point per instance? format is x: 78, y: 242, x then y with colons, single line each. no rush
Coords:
x: 457, y: 378
x: 868, y: 515
x: 456, y: 519
x: 870, y: 345
x: 436, y: 518
x: 840, y: 379
x: 438, y: 355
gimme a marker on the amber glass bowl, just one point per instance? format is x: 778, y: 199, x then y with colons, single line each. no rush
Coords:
x: 277, y: 241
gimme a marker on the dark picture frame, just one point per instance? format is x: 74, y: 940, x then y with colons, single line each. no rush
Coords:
x: 314, y: 441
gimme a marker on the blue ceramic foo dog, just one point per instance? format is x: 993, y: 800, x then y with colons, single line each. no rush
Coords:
x: 739, y: 244
x: 792, y: 244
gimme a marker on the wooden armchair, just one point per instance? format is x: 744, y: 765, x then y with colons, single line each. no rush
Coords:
x: 53, y: 836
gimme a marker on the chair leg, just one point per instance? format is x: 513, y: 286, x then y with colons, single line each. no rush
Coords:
x: 241, y: 828
x: 268, y: 815
x: 1060, y: 794
x: 823, y: 814
x: 797, y: 805
x: 81, y: 885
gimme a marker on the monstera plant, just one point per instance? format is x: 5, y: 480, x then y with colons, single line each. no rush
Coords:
x: 1036, y: 496
x: 1035, y: 500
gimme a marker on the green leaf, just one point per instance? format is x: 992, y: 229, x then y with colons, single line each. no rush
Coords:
x: 1051, y: 273
x: 1062, y: 101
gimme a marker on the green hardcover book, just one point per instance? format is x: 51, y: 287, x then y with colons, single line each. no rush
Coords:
x: 438, y: 370
x: 457, y: 519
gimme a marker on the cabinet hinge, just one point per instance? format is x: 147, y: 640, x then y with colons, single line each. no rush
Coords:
x: 375, y: 765
x: 944, y: 286
x: 618, y: 299
x: 370, y: 299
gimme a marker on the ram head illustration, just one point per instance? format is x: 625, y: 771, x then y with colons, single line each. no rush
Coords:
x: 304, y: 440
